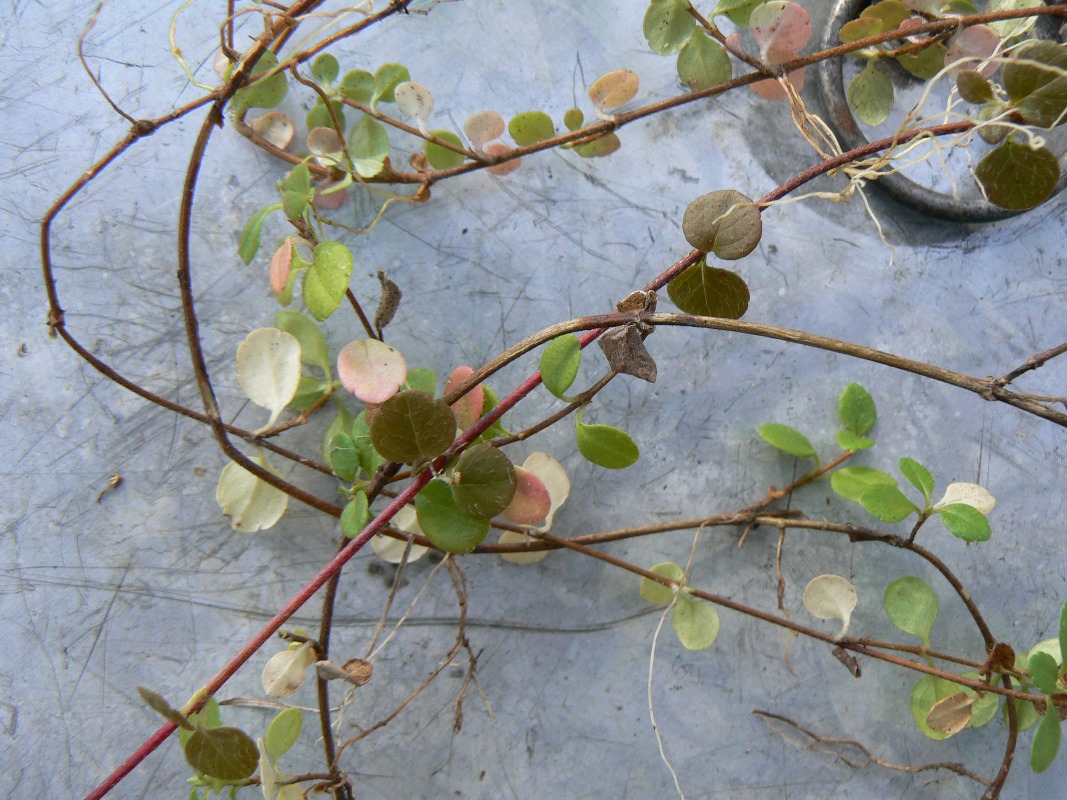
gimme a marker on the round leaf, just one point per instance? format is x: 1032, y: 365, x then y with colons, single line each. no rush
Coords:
x: 1016, y: 176
x: 1035, y: 81
x: 606, y: 446
x: 444, y: 523
x: 228, y: 754
x: 725, y: 222
x: 696, y: 623
x: 372, y: 370
x: 856, y: 409
x: 325, y: 69
x: 531, y: 502
x: 386, y: 79
x: 358, y: 85
x: 497, y: 150
x: 599, y: 147
x: 412, y: 426
x: 951, y: 714
x: 887, y: 503
x: 514, y: 537
x: 668, y: 25
x: 531, y: 127
x: 483, y: 481
x: 912, y: 606
x: 268, y: 369
x: 787, y: 439
x: 831, y: 597
x: 559, y: 363
x: 392, y: 550
x: 703, y: 62
x: 326, y: 282
x: 965, y: 522
x: 971, y: 494
x: 368, y: 147
x: 312, y: 342
x: 551, y: 473
x: 573, y: 119
x: 614, y: 89
x: 870, y: 95
x: 709, y: 292
x: 265, y: 92
x: 927, y: 691
x: 974, y: 87
x: 416, y: 101
x: 441, y: 157
x: 655, y: 592
x: 283, y: 732
x: 469, y: 407
x: 852, y: 482
x: 251, y: 504
x: 484, y: 127
x: 780, y: 25
x: 276, y: 127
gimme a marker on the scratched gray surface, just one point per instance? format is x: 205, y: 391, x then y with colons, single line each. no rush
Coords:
x: 151, y: 587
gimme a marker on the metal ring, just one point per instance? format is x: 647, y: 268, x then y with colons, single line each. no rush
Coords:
x: 830, y: 77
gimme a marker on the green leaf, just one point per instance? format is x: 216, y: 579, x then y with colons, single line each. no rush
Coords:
x: 847, y: 440
x: 325, y: 69
x: 926, y: 63
x: 1046, y: 740
x: 788, y: 440
x: 695, y: 622
x: 655, y: 592
x: 251, y: 504
x: 368, y: 147
x: 870, y: 95
x: 489, y: 402
x: 606, y: 446
x: 326, y: 282
x: 890, y: 13
x: 531, y: 127
x: 985, y: 707
x: 210, y: 716
x: 319, y: 115
x: 369, y: 458
x: 1011, y: 28
x: 483, y: 481
x: 927, y: 691
x: 852, y: 482
x: 422, y: 380
x: 599, y: 147
x: 573, y: 119
x: 703, y: 62
x: 441, y: 157
x: 974, y: 87
x: 283, y: 732
x: 386, y: 79
x: 1016, y: 177
x: 413, y: 426
x: 709, y: 292
x: 308, y: 392
x: 344, y: 457
x: 1063, y: 634
x: 341, y: 423
x: 296, y: 192
x: 1038, y: 89
x: 1043, y: 671
x: 918, y: 476
x: 668, y: 26
x: 250, y: 236
x: 912, y: 606
x: 355, y: 516
x: 559, y: 364
x: 155, y: 701
x: 228, y: 754
x: 887, y: 503
x: 860, y: 28
x: 856, y: 409
x: 358, y: 85
x: 737, y: 11
x: 443, y: 522
x: 724, y: 222
x: 965, y: 522
x: 265, y: 92
x: 312, y: 343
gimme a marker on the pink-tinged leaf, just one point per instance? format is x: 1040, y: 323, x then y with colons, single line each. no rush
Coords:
x: 276, y: 128
x: 469, y: 407
x: 554, y: 477
x: 506, y: 167
x: 911, y: 22
x: 978, y: 41
x: 771, y: 89
x: 781, y: 25
x: 279, y: 266
x: 331, y: 201
x: 733, y: 43
x: 484, y: 127
x: 531, y: 502
x: 372, y: 370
